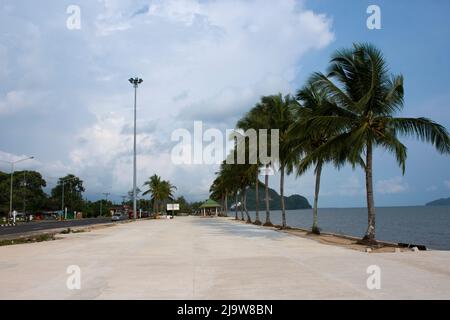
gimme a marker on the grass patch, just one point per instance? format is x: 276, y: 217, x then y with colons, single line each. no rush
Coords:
x: 39, y: 238
x: 69, y: 230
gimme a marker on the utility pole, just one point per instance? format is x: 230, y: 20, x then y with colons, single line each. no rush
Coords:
x: 24, y: 185
x: 106, y: 194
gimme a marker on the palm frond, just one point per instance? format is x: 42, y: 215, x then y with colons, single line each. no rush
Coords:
x: 424, y: 129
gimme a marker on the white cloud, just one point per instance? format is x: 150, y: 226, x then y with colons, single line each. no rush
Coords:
x: 205, y: 60
x: 447, y: 183
x: 391, y: 186
x: 351, y: 186
x: 19, y: 100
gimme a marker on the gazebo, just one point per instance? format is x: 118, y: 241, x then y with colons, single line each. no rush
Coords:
x: 209, y: 205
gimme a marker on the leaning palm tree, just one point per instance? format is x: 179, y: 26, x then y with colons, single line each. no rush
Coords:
x: 252, y: 121
x: 218, y: 191
x: 253, y: 170
x: 313, y: 103
x: 246, y: 174
x: 282, y: 116
x: 230, y: 176
x: 366, y: 98
x: 259, y: 117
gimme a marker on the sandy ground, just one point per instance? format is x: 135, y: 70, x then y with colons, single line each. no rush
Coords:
x: 195, y: 258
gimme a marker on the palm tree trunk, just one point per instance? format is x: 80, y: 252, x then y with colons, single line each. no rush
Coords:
x: 266, y: 185
x: 370, y: 233
x: 283, y: 208
x: 249, y: 220
x: 236, y: 207
x: 315, y: 227
x: 242, y: 205
x: 226, y: 203
x: 257, y: 221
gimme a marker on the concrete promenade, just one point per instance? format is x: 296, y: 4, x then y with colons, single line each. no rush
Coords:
x: 202, y: 258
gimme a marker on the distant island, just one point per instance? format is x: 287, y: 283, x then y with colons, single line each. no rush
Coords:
x: 439, y: 202
x: 293, y: 202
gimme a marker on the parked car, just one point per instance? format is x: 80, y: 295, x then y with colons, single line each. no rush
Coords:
x: 119, y: 216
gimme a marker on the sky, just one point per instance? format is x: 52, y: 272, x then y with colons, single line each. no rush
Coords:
x: 65, y: 98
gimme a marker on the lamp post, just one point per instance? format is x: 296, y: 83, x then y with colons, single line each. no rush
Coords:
x: 12, y: 163
x: 135, y: 82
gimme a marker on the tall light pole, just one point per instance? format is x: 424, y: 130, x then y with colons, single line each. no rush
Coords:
x: 135, y: 82
x: 12, y: 163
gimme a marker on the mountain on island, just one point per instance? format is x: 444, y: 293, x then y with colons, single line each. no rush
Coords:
x: 439, y: 202
x: 293, y: 202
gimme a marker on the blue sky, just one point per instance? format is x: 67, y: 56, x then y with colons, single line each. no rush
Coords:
x: 414, y: 42
x: 64, y: 97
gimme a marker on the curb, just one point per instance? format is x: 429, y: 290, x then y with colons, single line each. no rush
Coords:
x: 8, y: 225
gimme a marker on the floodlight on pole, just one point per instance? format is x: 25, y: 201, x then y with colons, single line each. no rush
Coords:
x: 135, y: 82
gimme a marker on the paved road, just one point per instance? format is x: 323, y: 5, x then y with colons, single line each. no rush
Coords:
x: 195, y: 258
x: 36, y: 226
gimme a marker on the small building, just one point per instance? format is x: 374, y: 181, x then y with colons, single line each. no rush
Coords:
x: 210, y: 207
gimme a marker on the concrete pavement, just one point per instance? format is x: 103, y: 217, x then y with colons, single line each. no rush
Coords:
x: 36, y: 227
x: 202, y: 258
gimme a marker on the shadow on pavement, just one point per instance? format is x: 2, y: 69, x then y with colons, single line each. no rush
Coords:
x: 239, y: 229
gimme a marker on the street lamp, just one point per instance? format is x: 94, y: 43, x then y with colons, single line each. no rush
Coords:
x: 12, y: 163
x: 135, y: 82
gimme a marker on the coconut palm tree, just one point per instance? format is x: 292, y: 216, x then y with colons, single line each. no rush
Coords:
x: 218, y: 191
x: 246, y: 174
x: 166, y: 191
x: 282, y: 115
x: 161, y: 190
x: 308, y: 139
x: 153, y: 184
x: 366, y: 98
x: 311, y: 101
x: 253, y: 171
x: 251, y: 121
x: 259, y: 117
x: 228, y: 176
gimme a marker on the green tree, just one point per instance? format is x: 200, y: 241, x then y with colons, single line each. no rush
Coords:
x: 28, y: 193
x: 184, y: 205
x: 154, y: 185
x: 313, y: 103
x: 282, y: 116
x: 73, y: 192
x: 259, y: 117
x: 367, y: 98
x: 219, y: 189
x: 92, y: 209
x: 160, y: 190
